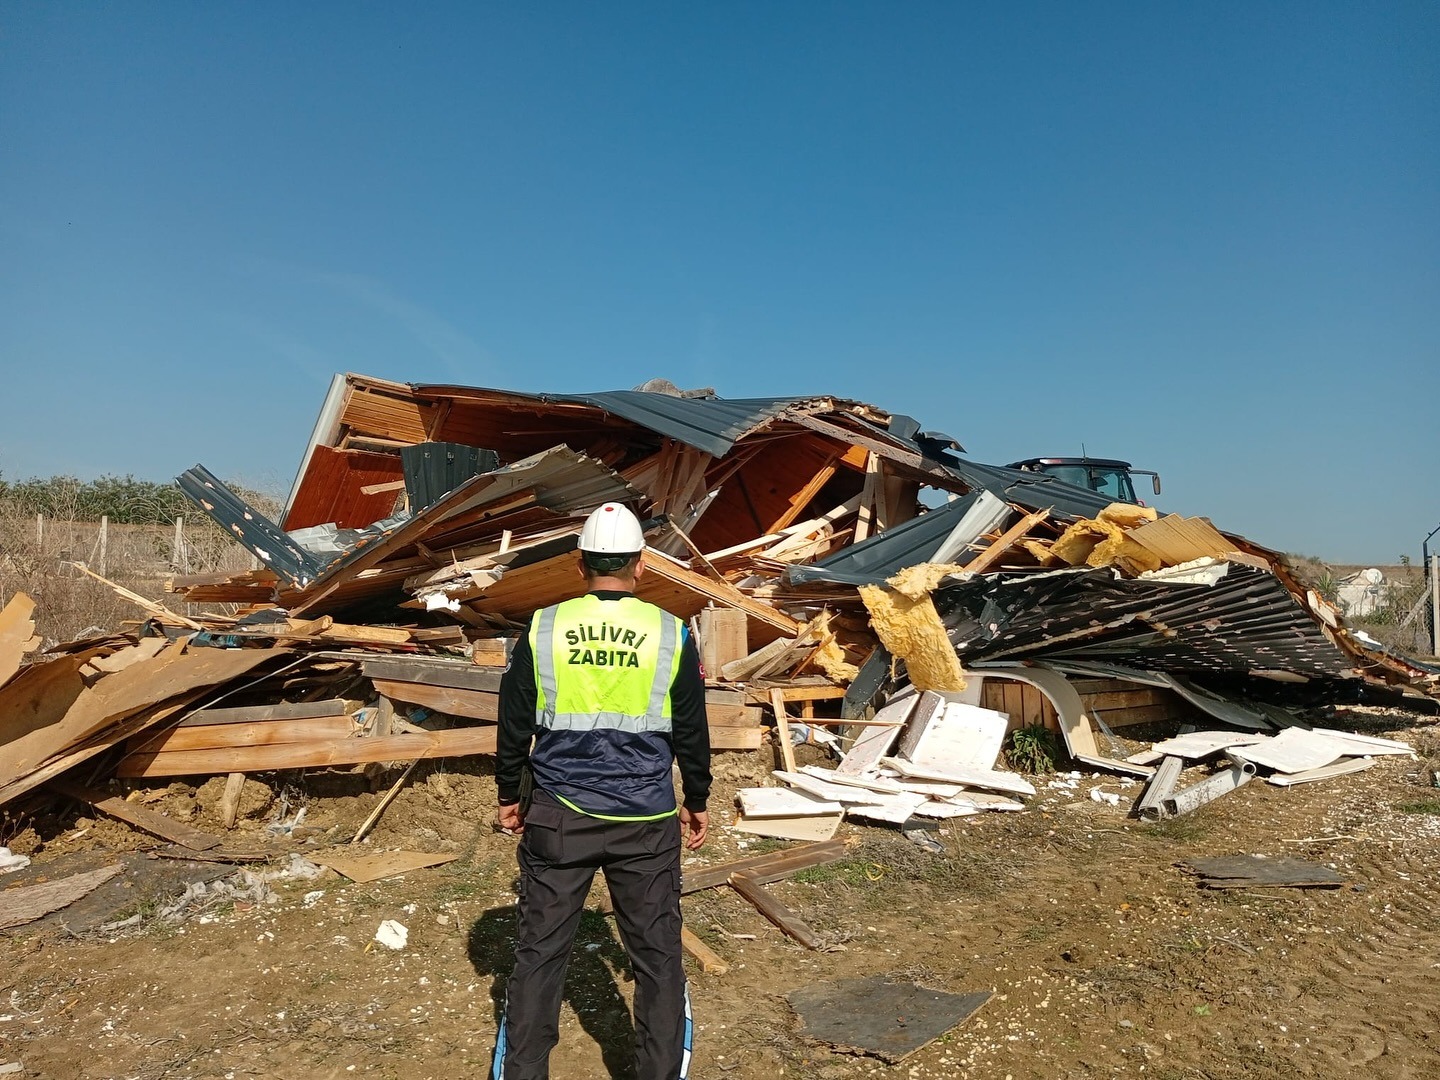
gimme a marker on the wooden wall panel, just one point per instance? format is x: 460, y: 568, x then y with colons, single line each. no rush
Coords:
x: 330, y: 490
x: 761, y: 492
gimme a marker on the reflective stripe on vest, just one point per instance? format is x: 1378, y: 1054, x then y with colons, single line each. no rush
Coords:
x: 630, y: 690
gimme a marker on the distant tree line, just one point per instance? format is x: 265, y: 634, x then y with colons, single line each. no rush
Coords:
x: 123, y: 499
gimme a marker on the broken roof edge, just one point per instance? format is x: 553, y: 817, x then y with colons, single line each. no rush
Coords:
x: 712, y: 424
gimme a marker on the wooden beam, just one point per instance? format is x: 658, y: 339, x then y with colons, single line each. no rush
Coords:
x: 708, y: 959
x: 763, y: 694
x: 452, y: 742
x: 775, y: 911
x: 450, y: 700
x: 385, y: 801
x: 772, y: 866
x: 991, y: 555
x: 803, y: 498
x: 456, y: 673
x: 719, y: 591
x: 138, y: 817
x: 736, y: 738
x: 268, y: 733
x: 254, y: 714
x: 782, y: 730
x: 230, y: 800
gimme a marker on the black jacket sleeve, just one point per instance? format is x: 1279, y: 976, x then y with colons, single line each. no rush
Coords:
x: 690, y: 729
x: 517, y: 720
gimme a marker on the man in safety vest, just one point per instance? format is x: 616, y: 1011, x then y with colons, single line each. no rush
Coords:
x: 610, y: 689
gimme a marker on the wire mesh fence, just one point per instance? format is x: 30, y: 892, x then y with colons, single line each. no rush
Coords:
x: 38, y: 553
x: 1396, y: 612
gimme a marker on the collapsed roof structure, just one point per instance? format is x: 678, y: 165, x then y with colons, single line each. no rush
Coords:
x: 829, y: 552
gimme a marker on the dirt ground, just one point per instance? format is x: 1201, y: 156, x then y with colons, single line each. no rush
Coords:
x: 1104, y: 958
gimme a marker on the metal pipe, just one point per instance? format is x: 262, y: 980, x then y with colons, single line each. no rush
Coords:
x: 1208, y: 790
x: 1151, y: 805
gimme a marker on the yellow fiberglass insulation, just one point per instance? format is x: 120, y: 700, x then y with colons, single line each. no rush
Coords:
x: 921, y: 580
x: 911, y: 629
x: 830, y: 656
x: 1127, y: 515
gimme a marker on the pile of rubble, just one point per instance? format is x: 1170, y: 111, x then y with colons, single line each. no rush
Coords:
x: 850, y: 578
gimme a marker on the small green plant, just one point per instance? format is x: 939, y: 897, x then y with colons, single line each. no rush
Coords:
x: 1032, y: 749
x: 1420, y: 806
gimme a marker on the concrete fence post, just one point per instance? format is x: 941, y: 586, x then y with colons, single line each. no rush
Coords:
x: 1435, y: 605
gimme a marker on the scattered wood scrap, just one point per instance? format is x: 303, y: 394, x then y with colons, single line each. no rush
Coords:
x: 1248, y: 872
x: 364, y: 868
x: 149, y: 821
x: 875, y: 1015
x: 26, y: 903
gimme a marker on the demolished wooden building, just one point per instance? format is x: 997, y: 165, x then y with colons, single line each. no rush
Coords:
x: 829, y: 553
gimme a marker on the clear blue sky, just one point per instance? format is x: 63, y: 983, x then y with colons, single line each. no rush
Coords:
x: 1202, y: 237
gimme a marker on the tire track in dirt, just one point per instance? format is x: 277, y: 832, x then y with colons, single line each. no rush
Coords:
x: 1376, y: 1009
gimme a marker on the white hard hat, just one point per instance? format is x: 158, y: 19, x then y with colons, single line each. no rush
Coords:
x: 612, y: 530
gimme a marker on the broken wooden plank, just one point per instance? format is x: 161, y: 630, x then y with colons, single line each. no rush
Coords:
x: 252, y: 714
x: 782, y: 731
x: 230, y: 799
x: 772, y: 866
x: 17, y: 628
x: 27, y: 903
x: 790, y: 923
x: 759, y: 660
x: 1247, y: 871
x: 806, y: 827
x: 144, y: 650
x: 452, y: 701
x: 723, y: 638
x: 99, y: 744
x: 992, y: 554
x: 140, y: 818
x: 720, y: 592
x: 121, y: 695
x: 385, y: 864
x: 708, y: 959
x: 270, y: 732
x: 736, y: 738
x: 451, y: 742
x: 160, y: 611
x: 460, y: 674
x: 762, y: 693
x: 385, y: 801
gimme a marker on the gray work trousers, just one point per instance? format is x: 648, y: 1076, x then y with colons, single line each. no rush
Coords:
x: 559, y: 853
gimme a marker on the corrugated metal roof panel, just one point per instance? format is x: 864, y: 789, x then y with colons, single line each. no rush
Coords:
x: 1245, y: 621
x: 1034, y: 491
x: 711, y: 424
x: 872, y: 561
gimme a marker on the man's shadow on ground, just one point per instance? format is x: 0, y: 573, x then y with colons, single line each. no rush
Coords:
x: 590, y: 986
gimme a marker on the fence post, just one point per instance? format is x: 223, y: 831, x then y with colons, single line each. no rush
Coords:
x: 1435, y: 605
x: 39, y: 533
x: 104, y: 543
x: 181, y: 557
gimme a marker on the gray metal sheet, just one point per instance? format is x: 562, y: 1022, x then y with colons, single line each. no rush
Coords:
x: 907, y: 544
x: 711, y: 424
x: 1247, y: 620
